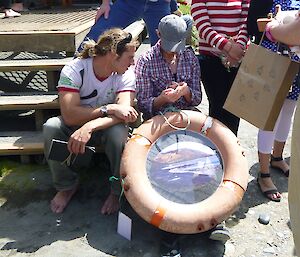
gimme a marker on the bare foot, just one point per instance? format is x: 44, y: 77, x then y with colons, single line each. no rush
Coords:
x: 61, y: 200
x: 18, y: 7
x: 111, y: 204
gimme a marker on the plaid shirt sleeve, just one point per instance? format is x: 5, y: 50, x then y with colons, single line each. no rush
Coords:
x: 194, y: 86
x: 144, y: 88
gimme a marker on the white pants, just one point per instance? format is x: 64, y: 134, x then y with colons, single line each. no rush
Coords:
x: 265, y: 139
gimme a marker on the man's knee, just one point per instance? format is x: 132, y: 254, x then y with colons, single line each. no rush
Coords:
x: 51, y: 126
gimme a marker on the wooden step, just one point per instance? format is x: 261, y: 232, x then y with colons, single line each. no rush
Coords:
x: 137, y: 29
x: 25, y: 143
x: 29, y: 102
x: 21, y: 143
x: 34, y: 65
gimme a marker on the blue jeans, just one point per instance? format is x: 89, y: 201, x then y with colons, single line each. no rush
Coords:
x: 125, y: 12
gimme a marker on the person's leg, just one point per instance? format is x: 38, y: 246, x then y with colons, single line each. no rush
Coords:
x: 153, y: 13
x: 18, y: 6
x: 6, y: 4
x: 217, y: 82
x: 169, y: 244
x: 265, y: 141
x: 65, y: 180
x: 122, y: 13
x: 219, y: 233
x: 281, y: 136
x: 114, y: 139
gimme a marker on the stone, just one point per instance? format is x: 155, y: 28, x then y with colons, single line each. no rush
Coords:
x: 264, y: 219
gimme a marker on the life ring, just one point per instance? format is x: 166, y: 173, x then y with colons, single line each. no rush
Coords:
x: 176, y: 217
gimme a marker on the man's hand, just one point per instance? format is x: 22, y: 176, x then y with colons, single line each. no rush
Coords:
x: 124, y: 112
x: 104, y: 9
x: 79, y: 139
x: 170, y: 94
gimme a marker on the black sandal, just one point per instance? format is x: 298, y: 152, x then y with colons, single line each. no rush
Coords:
x: 278, y: 159
x: 267, y: 193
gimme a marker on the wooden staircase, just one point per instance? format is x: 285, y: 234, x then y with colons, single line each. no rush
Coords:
x: 26, y: 143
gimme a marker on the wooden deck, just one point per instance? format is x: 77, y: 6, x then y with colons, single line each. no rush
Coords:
x: 60, y: 30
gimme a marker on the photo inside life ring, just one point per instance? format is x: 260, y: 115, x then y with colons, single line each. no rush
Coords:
x: 184, y: 167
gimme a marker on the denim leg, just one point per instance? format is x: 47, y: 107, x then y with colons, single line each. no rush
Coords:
x: 64, y: 177
x: 114, y: 139
x: 122, y: 13
x: 154, y: 11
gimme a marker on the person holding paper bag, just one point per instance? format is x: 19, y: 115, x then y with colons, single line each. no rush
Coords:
x: 96, y: 95
x: 271, y: 143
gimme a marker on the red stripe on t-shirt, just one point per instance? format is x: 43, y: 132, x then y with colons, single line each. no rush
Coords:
x: 67, y: 89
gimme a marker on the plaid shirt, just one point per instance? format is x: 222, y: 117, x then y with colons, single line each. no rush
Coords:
x: 153, y: 75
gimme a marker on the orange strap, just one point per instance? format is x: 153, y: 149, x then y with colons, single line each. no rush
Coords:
x: 233, y: 186
x: 158, y: 216
x: 140, y: 139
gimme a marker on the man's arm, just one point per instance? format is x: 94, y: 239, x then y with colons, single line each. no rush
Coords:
x: 121, y: 111
x: 73, y: 113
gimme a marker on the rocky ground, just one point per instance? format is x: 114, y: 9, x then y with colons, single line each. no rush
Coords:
x: 28, y: 228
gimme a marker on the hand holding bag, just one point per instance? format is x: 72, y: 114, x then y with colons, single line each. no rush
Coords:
x: 261, y: 86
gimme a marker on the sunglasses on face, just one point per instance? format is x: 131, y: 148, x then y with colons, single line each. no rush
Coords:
x: 121, y: 45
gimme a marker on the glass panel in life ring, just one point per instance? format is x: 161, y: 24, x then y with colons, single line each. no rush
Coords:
x: 184, y: 167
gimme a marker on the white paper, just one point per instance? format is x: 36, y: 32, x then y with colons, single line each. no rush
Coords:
x: 124, y: 226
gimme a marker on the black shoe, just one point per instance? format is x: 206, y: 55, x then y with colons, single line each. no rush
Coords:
x: 170, y: 249
x: 220, y: 233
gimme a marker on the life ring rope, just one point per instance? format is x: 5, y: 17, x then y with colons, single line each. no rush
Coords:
x: 140, y: 139
x: 175, y: 127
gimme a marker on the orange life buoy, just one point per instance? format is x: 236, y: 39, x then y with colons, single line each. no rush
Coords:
x: 177, y: 217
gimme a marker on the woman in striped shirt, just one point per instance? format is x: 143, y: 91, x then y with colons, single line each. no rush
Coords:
x: 223, y: 38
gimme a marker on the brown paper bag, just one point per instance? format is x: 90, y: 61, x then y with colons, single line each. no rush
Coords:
x: 260, y: 87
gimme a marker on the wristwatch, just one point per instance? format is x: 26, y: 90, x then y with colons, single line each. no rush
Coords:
x: 103, y: 111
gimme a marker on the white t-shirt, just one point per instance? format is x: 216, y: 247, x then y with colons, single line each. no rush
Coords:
x: 78, y: 76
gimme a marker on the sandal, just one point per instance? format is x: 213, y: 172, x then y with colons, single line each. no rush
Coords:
x: 268, y: 193
x: 278, y: 159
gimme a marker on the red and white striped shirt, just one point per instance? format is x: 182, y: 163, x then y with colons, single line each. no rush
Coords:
x: 218, y: 20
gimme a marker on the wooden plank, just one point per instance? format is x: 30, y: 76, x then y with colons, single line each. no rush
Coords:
x: 136, y: 28
x: 45, y: 31
x: 34, y: 65
x: 21, y: 142
x: 24, y: 142
x: 28, y: 102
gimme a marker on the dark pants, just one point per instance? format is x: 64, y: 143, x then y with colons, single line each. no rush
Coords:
x: 217, y: 82
x: 112, y: 139
x: 6, y: 4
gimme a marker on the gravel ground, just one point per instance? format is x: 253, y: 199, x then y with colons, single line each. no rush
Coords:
x: 28, y: 228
